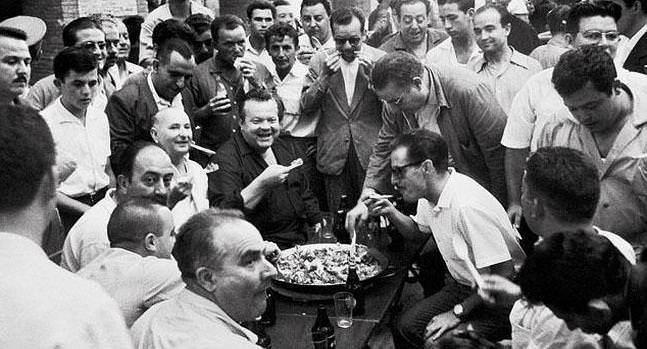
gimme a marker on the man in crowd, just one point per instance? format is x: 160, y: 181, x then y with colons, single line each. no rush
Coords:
x: 137, y: 269
x: 131, y: 109
x: 261, y: 15
x: 457, y: 211
x: 584, y: 280
x: 538, y: 102
x: 218, y: 83
x: 15, y: 65
x: 43, y: 306
x: 146, y: 171
x: 348, y: 110
x: 258, y: 175
x: 523, y: 36
x: 460, y: 48
x: 81, y: 133
x: 633, y: 24
x: 227, y: 267
x: 610, y: 127
x: 501, y: 65
x: 315, y: 17
x: 415, y: 35
x: 120, y: 72
x: 111, y: 31
x: 285, y: 13
x: 203, y: 45
x: 559, y: 42
x: 82, y: 32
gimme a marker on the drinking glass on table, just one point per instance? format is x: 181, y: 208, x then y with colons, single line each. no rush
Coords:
x: 323, y: 230
x: 344, y: 304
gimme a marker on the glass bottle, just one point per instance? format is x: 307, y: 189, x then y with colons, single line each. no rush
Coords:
x: 322, y: 328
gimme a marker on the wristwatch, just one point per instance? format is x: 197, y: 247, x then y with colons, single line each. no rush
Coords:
x: 458, y: 310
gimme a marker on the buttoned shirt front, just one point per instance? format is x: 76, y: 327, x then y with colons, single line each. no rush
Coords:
x: 622, y: 207
x: 135, y: 282
x: 196, y: 201
x: 44, y: 306
x: 289, y: 89
x: 467, y: 211
x: 88, y: 145
x: 190, y: 321
x: 119, y: 77
x: 444, y: 54
x: 505, y: 79
x: 349, y: 72
x: 161, y: 102
x: 262, y: 56
x: 432, y: 38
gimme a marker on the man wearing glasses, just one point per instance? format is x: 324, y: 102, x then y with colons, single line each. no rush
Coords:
x: 414, y: 36
x: 337, y: 89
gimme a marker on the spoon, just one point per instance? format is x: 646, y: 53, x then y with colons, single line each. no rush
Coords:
x: 460, y: 248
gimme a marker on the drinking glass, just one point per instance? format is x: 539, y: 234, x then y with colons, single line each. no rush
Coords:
x: 344, y: 304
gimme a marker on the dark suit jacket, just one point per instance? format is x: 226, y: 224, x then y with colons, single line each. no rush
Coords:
x: 637, y: 59
x: 130, y: 114
x: 339, y: 123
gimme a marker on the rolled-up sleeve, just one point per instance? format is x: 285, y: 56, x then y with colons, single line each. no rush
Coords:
x: 379, y: 170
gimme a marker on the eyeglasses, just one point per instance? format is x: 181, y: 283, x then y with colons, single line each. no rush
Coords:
x: 596, y: 35
x: 353, y: 41
x: 398, y: 171
x: 91, y: 45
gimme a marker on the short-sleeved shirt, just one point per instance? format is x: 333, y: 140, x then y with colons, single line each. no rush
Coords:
x: 88, y: 145
x: 262, y: 56
x: 135, y: 282
x: 289, y: 89
x: 444, y: 54
x: 465, y: 210
x: 506, y: 82
x: 197, y: 200
x: 548, y: 54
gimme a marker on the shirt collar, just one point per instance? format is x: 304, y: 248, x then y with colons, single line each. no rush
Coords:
x: 159, y: 100
x: 437, y: 89
x: 445, y: 196
x: 516, y: 58
x: 298, y: 70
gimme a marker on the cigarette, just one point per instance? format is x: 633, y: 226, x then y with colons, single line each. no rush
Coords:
x: 296, y: 163
x: 378, y: 196
x: 203, y: 149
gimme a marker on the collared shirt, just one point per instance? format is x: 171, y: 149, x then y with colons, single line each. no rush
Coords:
x: 467, y: 211
x: 161, y: 102
x: 624, y: 50
x: 622, y: 207
x: 349, y: 73
x: 44, y: 92
x: 44, y: 306
x: 289, y: 89
x: 306, y: 42
x: 444, y: 54
x: 283, y: 212
x: 548, y: 55
x: 118, y: 76
x: 262, y: 56
x: 88, y: 237
x: 505, y: 81
x: 88, y: 145
x: 190, y: 321
x: 433, y: 37
x: 196, y: 201
x: 135, y: 282
x: 154, y: 18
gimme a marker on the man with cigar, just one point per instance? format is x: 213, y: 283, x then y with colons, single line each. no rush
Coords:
x: 260, y: 174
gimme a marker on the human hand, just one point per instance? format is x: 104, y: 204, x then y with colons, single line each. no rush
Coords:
x: 272, y: 252
x: 498, y: 290
x: 333, y: 62
x: 380, y: 205
x: 304, y: 55
x: 219, y: 105
x: 274, y: 175
x: 246, y: 67
x: 356, y: 216
x: 514, y: 213
x: 180, y: 190
x: 463, y: 338
x: 440, y: 324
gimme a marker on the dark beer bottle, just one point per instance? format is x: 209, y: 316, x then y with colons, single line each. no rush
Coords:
x: 339, y: 229
x: 354, y: 286
x: 343, y: 203
x: 323, y: 329
x: 269, y: 316
x: 264, y: 340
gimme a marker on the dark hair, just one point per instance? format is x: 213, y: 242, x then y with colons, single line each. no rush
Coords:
x: 566, y: 180
x: 128, y: 157
x: 586, y: 9
x: 643, y: 4
x: 557, y: 19
x: 277, y: 3
x: 398, y: 5
x: 133, y: 25
x: 396, y: 67
x: 345, y: 15
x: 569, y: 269
x: 172, y: 29
x: 505, y: 17
x: 281, y: 30
x: 422, y: 144
x: 173, y: 45
x: 132, y: 220
x: 194, y: 243
x: 463, y: 5
x: 13, y: 33
x: 260, y: 5
x: 261, y: 95
x: 199, y: 22
x: 74, y: 59
x: 228, y: 22
x: 27, y: 154
x: 309, y: 3
x: 70, y: 30
x: 586, y: 63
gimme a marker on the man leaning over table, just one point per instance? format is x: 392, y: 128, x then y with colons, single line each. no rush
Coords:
x: 227, y: 268
x: 454, y: 209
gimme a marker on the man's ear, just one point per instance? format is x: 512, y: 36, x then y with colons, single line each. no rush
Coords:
x: 122, y: 184
x: 150, y: 242
x: 57, y: 83
x: 154, y: 135
x: 470, y: 12
x: 417, y: 82
x: 206, y: 278
x: 155, y: 64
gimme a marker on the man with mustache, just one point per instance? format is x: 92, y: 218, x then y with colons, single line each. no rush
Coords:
x: 349, y: 111
x: 414, y: 36
x: 15, y: 67
x: 258, y: 174
x: 145, y: 171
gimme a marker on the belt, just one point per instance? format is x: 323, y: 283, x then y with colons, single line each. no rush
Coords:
x: 92, y: 198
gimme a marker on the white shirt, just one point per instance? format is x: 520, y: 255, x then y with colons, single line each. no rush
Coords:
x: 190, y: 321
x: 135, y: 282
x: 444, y: 54
x: 467, y: 211
x: 115, y: 75
x: 305, y: 42
x: 154, y: 18
x: 289, y: 89
x: 624, y: 50
x: 195, y: 202
x: 44, y: 92
x: 161, y: 102
x: 88, y: 237
x: 262, y: 56
x: 44, y: 306
x: 349, y: 72
x: 88, y: 145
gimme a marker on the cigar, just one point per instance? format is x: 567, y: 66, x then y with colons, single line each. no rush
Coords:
x: 203, y: 149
